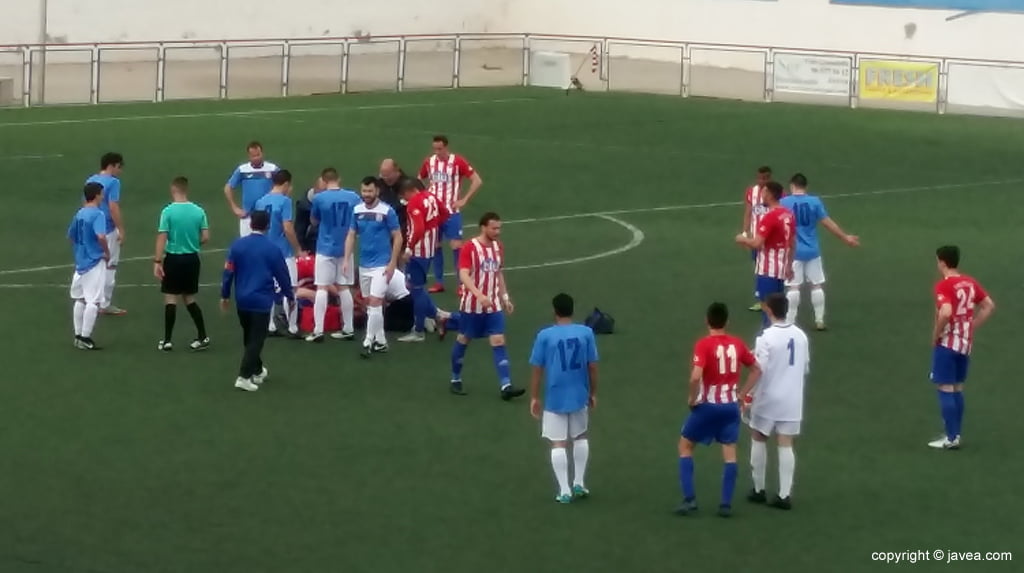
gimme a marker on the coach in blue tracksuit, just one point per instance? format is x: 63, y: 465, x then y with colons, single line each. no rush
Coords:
x: 253, y: 264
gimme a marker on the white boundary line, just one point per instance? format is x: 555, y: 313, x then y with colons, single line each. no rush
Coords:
x: 31, y: 157
x: 340, y: 108
x: 631, y: 211
x: 637, y: 237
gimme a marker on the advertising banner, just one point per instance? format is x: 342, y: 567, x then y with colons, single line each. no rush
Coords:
x: 986, y: 86
x: 899, y: 81
x: 811, y: 74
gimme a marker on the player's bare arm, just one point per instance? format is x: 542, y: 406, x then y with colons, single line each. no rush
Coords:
x: 475, y: 181
x: 753, y: 377
x: 592, y: 372
x: 204, y: 236
x: 293, y: 240
x: 695, y: 376
x: 835, y: 229
x: 396, y: 254
x: 106, y: 247
x: 985, y: 309
x: 942, y: 318
x: 755, y: 242
x: 115, y: 214
x: 466, y: 278
x: 158, y: 255
x: 350, y: 244
x: 536, y: 374
x: 229, y: 194
x: 503, y: 293
x: 748, y: 212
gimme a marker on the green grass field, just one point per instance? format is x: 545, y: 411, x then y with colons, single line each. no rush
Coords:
x: 129, y: 460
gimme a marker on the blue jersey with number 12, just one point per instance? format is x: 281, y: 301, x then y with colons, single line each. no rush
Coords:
x: 565, y: 352
x: 808, y: 210
x: 332, y: 208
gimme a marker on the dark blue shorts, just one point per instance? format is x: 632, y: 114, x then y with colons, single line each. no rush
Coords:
x: 753, y: 254
x: 949, y: 366
x: 452, y: 228
x: 481, y: 325
x: 767, y: 286
x: 713, y: 422
x: 416, y: 271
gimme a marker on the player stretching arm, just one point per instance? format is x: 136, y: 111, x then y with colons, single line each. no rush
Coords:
x: 956, y: 298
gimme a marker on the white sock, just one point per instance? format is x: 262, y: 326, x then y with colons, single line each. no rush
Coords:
x: 320, y: 311
x: 109, y: 280
x: 580, y: 455
x: 272, y: 327
x: 818, y: 302
x: 787, y: 466
x: 291, y: 310
x: 347, y: 310
x: 375, y: 324
x: 89, y: 319
x: 560, y: 463
x: 79, y: 313
x: 793, y: 295
x: 758, y: 463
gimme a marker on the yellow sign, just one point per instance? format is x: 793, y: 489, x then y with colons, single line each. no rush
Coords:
x: 899, y: 81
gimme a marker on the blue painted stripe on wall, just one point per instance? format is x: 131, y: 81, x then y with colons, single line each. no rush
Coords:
x: 972, y: 5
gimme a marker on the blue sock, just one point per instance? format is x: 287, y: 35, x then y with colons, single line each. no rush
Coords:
x: 947, y: 403
x: 438, y: 261
x: 502, y: 366
x: 453, y: 321
x: 958, y: 398
x: 686, y: 478
x: 728, y: 483
x: 458, y: 353
x: 422, y: 307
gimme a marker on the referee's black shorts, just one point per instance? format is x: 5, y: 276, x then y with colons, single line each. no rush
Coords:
x: 181, y: 274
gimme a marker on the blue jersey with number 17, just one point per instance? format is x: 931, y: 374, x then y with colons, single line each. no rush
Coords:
x: 808, y: 210
x: 332, y: 209
x: 565, y: 352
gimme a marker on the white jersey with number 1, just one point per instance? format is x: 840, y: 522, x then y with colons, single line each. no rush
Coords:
x: 783, y: 353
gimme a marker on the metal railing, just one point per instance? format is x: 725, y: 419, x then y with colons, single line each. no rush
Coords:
x: 162, y: 71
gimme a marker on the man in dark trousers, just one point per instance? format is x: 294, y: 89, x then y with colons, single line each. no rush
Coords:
x: 253, y: 264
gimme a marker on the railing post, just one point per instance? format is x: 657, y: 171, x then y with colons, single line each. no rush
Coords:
x: 769, y: 76
x: 26, y: 76
x: 94, y: 75
x: 457, y: 62
x: 855, y: 82
x: 223, y: 94
x: 161, y: 72
x: 526, y: 60
x: 605, y: 66
x: 400, y: 81
x: 344, y: 67
x: 286, y: 68
x: 686, y: 70
x: 942, y: 91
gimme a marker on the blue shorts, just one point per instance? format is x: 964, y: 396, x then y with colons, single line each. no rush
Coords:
x: 452, y: 228
x: 949, y: 366
x: 713, y: 422
x: 767, y: 286
x: 481, y: 325
x: 417, y: 270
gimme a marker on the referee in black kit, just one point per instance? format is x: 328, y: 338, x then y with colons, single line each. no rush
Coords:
x: 183, y: 229
x: 253, y: 265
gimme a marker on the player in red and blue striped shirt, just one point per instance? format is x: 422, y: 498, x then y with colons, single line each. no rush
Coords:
x: 425, y: 215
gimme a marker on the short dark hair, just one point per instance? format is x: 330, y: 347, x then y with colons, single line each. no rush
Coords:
x: 774, y: 189
x: 718, y: 315
x: 371, y: 180
x: 181, y: 183
x: 92, y: 191
x: 254, y: 145
x: 949, y: 254
x: 488, y: 217
x: 764, y: 170
x: 408, y: 185
x: 778, y: 304
x: 799, y: 180
x: 259, y: 220
x: 282, y: 176
x: 330, y: 174
x: 441, y: 139
x: 563, y: 305
x: 110, y: 159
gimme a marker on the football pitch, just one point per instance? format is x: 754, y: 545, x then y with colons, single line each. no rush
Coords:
x: 131, y: 460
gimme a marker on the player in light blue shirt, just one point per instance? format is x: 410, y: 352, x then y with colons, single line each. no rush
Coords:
x: 380, y: 244
x: 108, y: 177
x: 278, y: 205
x: 255, y: 179
x: 332, y: 213
x: 565, y: 356
x: 88, y: 236
x: 809, y: 211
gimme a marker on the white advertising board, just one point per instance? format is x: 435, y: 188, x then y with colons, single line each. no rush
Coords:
x: 812, y: 74
x: 985, y: 86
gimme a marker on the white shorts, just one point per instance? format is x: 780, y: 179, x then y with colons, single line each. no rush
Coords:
x: 810, y: 271
x: 562, y: 427
x: 327, y: 271
x: 114, y: 246
x: 89, y: 286
x: 372, y: 283
x: 244, y: 227
x: 293, y: 274
x: 767, y: 426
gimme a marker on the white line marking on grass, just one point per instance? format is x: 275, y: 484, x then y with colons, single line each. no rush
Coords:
x: 30, y: 157
x: 410, y: 105
x: 631, y: 211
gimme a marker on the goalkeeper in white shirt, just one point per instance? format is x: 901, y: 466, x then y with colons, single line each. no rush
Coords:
x: 776, y: 399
